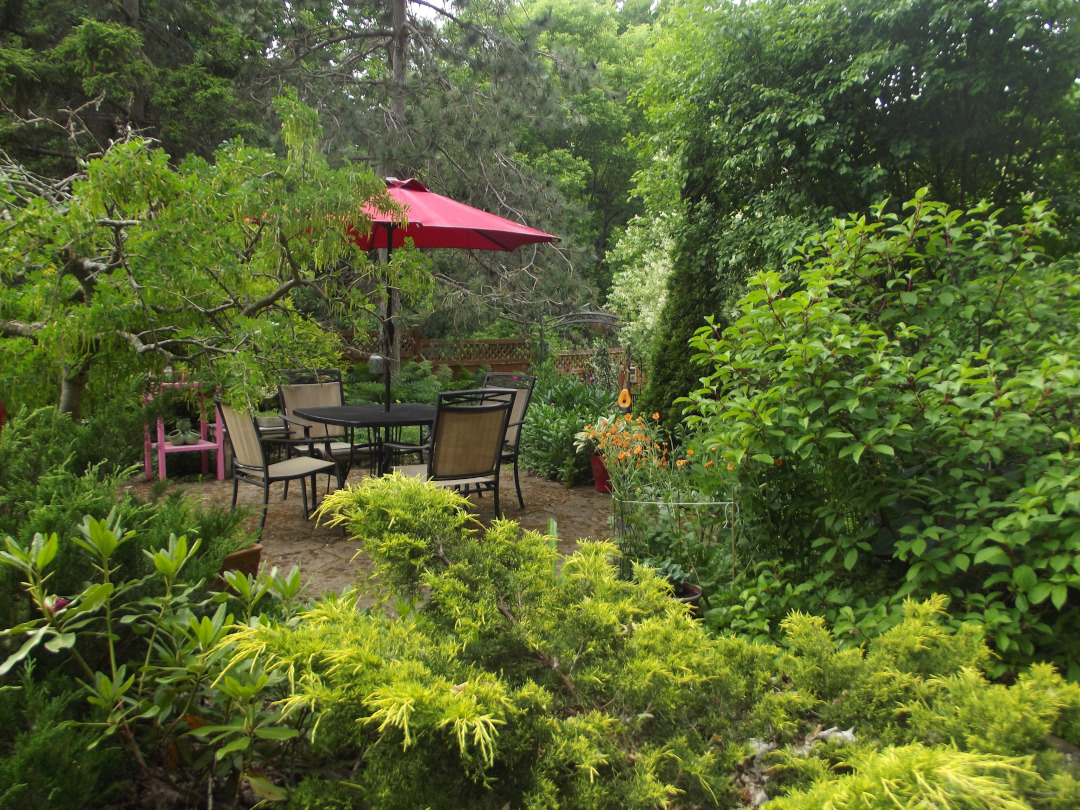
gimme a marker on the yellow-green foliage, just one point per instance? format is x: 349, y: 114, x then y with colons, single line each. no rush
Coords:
x: 918, y: 776
x: 520, y: 682
x: 401, y: 522
x: 867, y: 687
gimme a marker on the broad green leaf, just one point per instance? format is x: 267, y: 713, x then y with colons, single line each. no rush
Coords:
x: 1039, y: 593
x: 994, y: 555
x: 1059, y: 596
x: 1025, y: 577
x: 266, y: 790
x: 851, y: 558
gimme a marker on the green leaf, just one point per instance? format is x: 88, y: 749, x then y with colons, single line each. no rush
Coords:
x: 1059, y: 596
x: 60, y: 642
x: 239, y: 744
x: 851, y: 558
x: 1025, y: 577
x: 276, y: 733
x: 994, y: 555
x: 763, y: 457
x: 47, y: 551
x: 24, y: 650
x: 1040, y: 592
x: 266, y: 790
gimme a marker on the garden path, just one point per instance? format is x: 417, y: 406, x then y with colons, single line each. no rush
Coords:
x: 331, y: 562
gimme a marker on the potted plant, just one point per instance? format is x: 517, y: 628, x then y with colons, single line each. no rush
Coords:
x: 588, y: 440
x: 681, y: 588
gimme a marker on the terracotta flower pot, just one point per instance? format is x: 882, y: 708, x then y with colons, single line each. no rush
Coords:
x: 600, y: 475
x: 246, y: 560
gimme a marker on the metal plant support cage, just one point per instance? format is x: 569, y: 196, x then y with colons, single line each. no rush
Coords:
x: 697, y: 536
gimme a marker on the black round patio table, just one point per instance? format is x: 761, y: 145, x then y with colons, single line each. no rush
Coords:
x: 372, y: 416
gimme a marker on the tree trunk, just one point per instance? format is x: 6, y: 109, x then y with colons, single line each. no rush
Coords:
x: 72, y: 388
x: 391, y: 338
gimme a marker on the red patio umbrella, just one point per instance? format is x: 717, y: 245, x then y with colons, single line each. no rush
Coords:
x: 435, y: 221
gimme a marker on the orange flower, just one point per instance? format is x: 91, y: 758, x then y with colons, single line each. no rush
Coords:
x: 731, y: 466
x: 689, y: 452
x: 779, y: 462
x: 656, y: 416
x: 681, y: 462
x: 708, y: 464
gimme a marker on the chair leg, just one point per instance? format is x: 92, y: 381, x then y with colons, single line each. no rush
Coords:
x: 498, y: 514
x: 235, y: 485
x: 266, y: 505
x: 517, y: 484
x: 303, y: 494
x: 285, y: 494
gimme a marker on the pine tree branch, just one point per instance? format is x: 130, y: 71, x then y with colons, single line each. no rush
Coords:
x: 20, y: 328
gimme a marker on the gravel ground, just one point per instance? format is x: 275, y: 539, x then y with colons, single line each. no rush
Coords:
x: 331, y: 562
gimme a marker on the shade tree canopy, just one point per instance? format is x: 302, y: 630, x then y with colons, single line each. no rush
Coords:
x: 777, y: 116
x: 134, y: 265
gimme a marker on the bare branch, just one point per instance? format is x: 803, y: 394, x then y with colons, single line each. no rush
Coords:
x: 20, y: 328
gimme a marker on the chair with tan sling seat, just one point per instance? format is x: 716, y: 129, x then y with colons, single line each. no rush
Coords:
x: 522, y: 385
x: 466, y: 442
x: 250, y: 465
x: 321, y: 387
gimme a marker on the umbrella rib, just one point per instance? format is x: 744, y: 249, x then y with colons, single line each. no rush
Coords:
x: 494, y: 241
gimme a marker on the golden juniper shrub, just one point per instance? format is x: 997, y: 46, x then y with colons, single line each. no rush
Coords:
x: 517, y: 681
x: 921, y: 776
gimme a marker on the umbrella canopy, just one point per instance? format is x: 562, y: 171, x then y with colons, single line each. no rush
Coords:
x: 435, y: 221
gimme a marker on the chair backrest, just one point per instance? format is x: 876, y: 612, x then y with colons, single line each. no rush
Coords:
x: 467, y: 438
x: 523, y: 388
x: 311, y: 389
x: 244, y: 439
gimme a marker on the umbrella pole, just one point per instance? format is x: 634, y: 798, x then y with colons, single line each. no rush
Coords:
x: 389, y: 317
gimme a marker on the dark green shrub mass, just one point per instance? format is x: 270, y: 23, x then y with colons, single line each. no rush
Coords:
x: 913, y: 394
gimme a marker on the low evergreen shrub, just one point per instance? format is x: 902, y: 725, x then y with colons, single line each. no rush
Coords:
x: 507, y: 679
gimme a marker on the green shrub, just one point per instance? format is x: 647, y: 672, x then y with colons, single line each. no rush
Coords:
x: 417, y: 382
x: 917, y: 776
x: 161, y: 693
x: 516, y: 681
x: 51, y: 480
x: 562, y: 405
x: 915, y: 393
x: 46, y: 761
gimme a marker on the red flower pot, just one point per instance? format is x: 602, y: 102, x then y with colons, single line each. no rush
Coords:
x: 600, y: 475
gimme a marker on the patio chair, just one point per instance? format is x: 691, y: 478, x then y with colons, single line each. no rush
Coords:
x: 250, y: 464
x: 466, y: 442
x: 522, y: 384
x: 309, y: 389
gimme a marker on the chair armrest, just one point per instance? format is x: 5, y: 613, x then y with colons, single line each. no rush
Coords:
x: 403, y: 446
x: 302, y: 425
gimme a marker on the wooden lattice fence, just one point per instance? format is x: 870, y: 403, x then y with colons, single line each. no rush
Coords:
x: 505, y: 354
